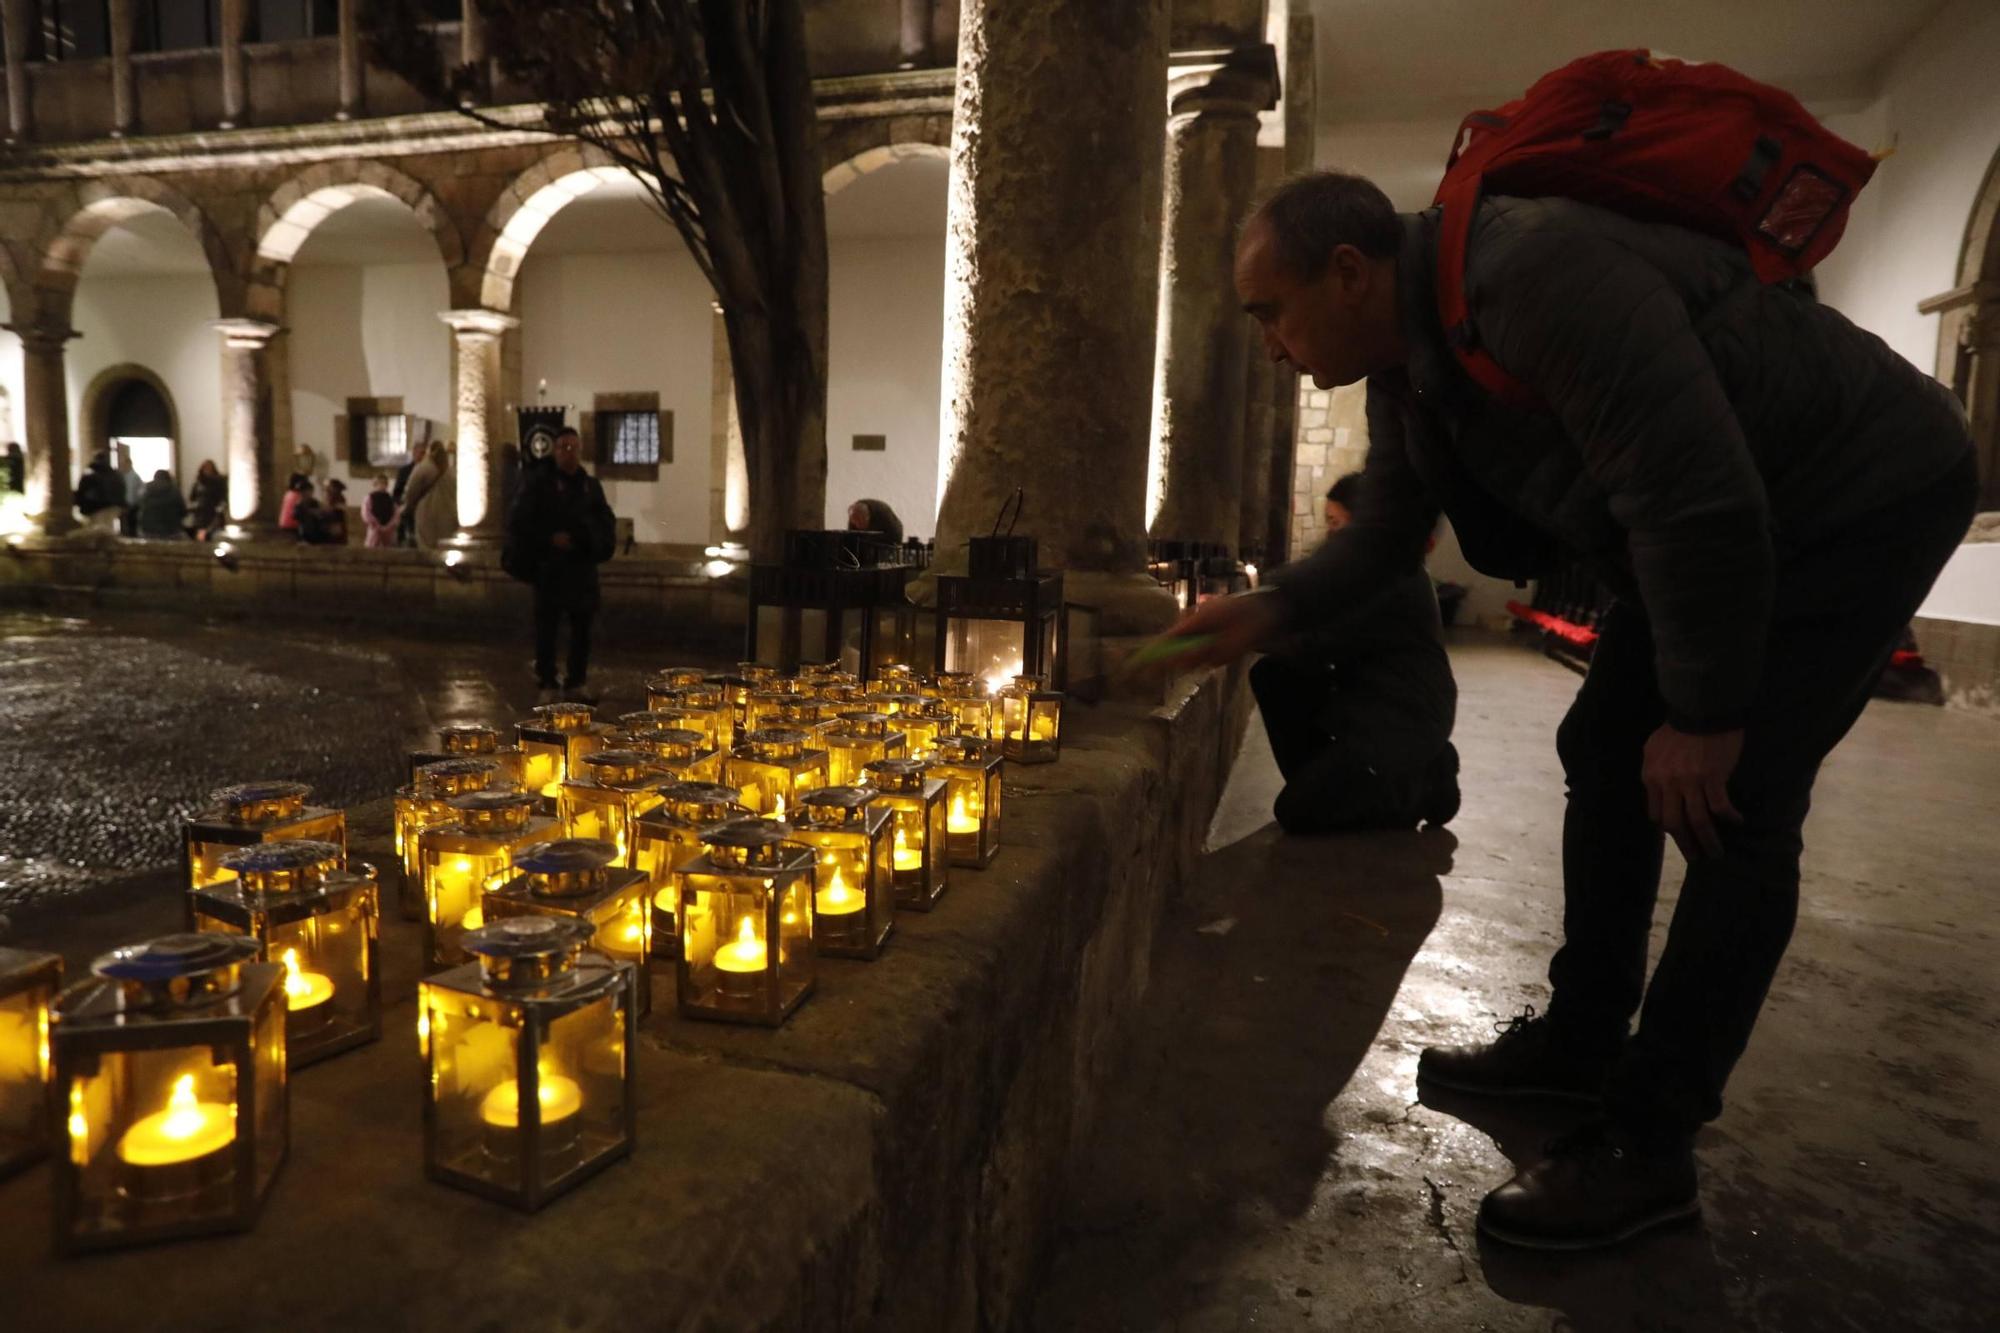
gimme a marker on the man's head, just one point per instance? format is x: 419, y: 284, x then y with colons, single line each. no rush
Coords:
x: 1340, y: 502
x: 568, y: 451
x: 1316, y: 268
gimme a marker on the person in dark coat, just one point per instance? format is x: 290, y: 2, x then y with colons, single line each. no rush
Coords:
x: 560, y: 529
x: 16, y: 479
x: 161, y: 511
x: 207, y: 500
x: 100, y: 494
x: 1771, y: 492
x: 1359, y: 710
x: 875, y: 516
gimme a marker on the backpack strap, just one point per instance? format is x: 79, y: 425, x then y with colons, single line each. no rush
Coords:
x: 1460, y: 202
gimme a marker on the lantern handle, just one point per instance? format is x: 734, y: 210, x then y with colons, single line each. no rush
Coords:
x: 1017, y: 501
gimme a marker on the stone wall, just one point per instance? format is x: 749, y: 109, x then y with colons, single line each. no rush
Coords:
x: 1332, y: 442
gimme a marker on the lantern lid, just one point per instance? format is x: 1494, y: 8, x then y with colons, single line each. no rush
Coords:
x: 865, y: 723
x: 564, y: 717
x: 956, y: 683
x: 283, y: 866
x: 756, y: 671
x: 777, y: 743
x: 611, y: 767
x: 177, y: 970
x: 450, y: 777
x: 835, y: 807
x: 495, y: 808
x: 249, y: 802
x: 566, y: 867
x: 700, y: 793
x: 523, y: 951
x: 897, y: 774
x: 753, y: 843
x: 812, y: 669
x: 961, y: 749
x: 468, y: 738
x: 646, y: 719
x: 676, y: 677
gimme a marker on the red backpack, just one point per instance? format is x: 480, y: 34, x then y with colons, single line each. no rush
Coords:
x: 1656, y: 139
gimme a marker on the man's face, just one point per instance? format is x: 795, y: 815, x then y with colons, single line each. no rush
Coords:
x: 857, y: 518
x: 1317, y: 324
x: 568, y: 452
x: 1337, y: 516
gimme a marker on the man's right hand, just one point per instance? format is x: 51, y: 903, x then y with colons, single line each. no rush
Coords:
x: 1233, y: 627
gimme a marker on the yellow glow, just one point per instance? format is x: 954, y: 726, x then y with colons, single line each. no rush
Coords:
x: 79, y: 1127
x: 960, y: 820
x: 423, y: 1030
x: 906, y: 856
x: 185, y: 1130
x: 778, y: 805
x: 473, y: 918
x: 836, y: 899
x: 746, y: 953
x: 668, y: 901
x: 304, y: 990
x: 559, y: 1099
x: 1001, y: 677
x: 462, y: 866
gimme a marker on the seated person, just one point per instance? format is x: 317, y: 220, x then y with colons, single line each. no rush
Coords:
x: 1360, y: 712
x: 875, y: 516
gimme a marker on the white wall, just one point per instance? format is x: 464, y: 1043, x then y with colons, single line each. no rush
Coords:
x: 885, y: 356
x: 628, y: 323
x: 164, y: 324
x: 365, y: 332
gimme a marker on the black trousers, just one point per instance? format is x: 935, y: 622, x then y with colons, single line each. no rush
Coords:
x: 1333, y: 782
x: 1840, y: 610
x: 554, y: 600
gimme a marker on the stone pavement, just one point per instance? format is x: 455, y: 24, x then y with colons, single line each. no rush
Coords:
x: 1264, y: 1162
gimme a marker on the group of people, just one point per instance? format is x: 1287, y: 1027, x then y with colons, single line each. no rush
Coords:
x: 114, y: 499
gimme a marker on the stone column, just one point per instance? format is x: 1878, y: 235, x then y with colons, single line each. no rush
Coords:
x: 45, y: 411
x: 249, y: 443
x: 124, y: 100
x: 16, y: 18
x: 477, y: 335
x: 235, y: 19
x: 1211, y: 171
x: 472, y: 49
x: 350, y: 61
x: 913, y: 38
x: 1050, y: 304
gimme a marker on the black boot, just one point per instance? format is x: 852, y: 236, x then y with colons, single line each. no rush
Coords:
x: 1598, y: 1185
x: 1440, y: 802
x: 1530, y: 1058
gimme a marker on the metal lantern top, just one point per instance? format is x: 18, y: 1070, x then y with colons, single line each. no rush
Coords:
x: 699, y: 697
x: 897, y: 675
x: 817, y: 670
x: 523, y: 952
x: 701, y: 802
x: 756, y: 673
x: 894, y: 701
x: 454, y: 777
x: 669, y: 742
x: 934, y: 711
x: 865, y: 723
x: 957, y: 685
x: 288, y: 866
x: 258, y: 802
x: 616, y: 768
x: 564, y: 717
x: 754, y: 844
x: 776, y: 743
x: 494, y: 811
x: 1026, y: 685
x: 836, y: 807
x: 897, y: 774
x: 961, y: 749
x: 646, y: 723
x: 468, y: 739
x: 801, y: 708
x: 676, y: 678
x: 566, y: 867
x: 177, y: 971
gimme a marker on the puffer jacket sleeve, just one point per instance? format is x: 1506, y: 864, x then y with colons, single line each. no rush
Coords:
x: 1393, y: 516
x: 1606, y: 342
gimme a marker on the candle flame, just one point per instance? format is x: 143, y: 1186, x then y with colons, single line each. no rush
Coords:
x: 473, y: 919
x: 837, y: 892
x: 462, y: 866
x: 184, y: 1118
x: 746, y: 934
x: 778, y: 805
x: 424, y: 1030
x: 295, y: 985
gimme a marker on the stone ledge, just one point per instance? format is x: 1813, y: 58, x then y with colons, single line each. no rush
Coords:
x: 891, y: 1159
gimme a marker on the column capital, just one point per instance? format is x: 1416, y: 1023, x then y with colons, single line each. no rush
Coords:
x: 41, y: 337
x: 479, y: 321
x: 1240, y: 81
x: 246, y: 334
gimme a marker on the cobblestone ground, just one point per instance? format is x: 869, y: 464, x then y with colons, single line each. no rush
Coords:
x: 115, y: 728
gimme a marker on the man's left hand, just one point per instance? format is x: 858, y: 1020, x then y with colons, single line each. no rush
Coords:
x: 1687, y: 786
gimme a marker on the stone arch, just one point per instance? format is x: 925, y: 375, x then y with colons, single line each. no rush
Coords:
x: 843, y: 174
x: 102, y: 205
x: 1968, y: 348
x: 525, y: 207
x: 96, y: 405
x: 288, y: 218
x: 1979, y: 255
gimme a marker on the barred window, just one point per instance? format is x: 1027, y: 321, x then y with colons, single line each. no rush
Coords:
x: 387, y: 439
x: 629, y: 437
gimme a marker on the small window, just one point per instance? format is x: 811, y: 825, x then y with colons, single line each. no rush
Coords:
x: 630, y: 438
x: 386, y: 439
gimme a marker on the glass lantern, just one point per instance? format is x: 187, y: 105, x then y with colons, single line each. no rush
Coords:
x: 461, y: 860
x: 170, y: 1076
x: 760, y: 706
x: 555, y: 742
x: 661, y: 686
x: 669, y: 835
x: 1030, y: 721
x: 421, y: 805
x: 829, y: 602
x: 746, y: 925
x: 609, y: 790
x: 29, y: 984
x: 971, y: 770
x: 893, y: 702
x: 854, y: 902
x: 1001, y: 621
x: 529, y: 1055
x: 321, y: 924
x: 471, y: 742
x: 856, y: 741
x: 251, y: 813
x: 680, y: 752
x: 916, y: 804
x: 772, y: 769
x: 575, y: 878
x: 808, y: 713
x: 704, y: 708
x: 926, y: 722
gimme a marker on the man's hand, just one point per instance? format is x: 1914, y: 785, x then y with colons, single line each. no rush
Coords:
x: 1687, y: 786
x: 1233, y: 625
x: 560, y: 541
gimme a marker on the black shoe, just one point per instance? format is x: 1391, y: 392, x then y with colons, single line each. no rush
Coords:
x: 1528, y: 1059
x: 580, y: 694
x: 1597, y: 1186
x: 1441, y: 798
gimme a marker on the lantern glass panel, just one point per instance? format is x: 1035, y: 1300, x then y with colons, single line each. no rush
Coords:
x: 667, y: 837
x: 770, y: 779
x: 214, y: 833
x: 854, y: 744
x: 918, y: 847
x: 972, y: 776
x: 612, y: 904
x: 28, y: 986
x: 996, y: 651
x: 746, y: 935
x: 854, y: 901
x: 459, y: 863
x: 607, y: 813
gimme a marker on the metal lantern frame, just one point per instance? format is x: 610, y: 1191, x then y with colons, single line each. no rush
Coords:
x: 668, y: 835
x: 750, y: 887
x: 554, y: 742
x: 915, y: 801
x: 470, y: 741
x: 1018, y: 708
x: 489, y: 828
x: 1031, y: 602
x: 249, y: 813
x: 973, y: 769
x: 819, y: 611
x: 533, y: 982
x: 422, y: 805
x: 849, y: 834
x: 204, y: 997
x: 29, y: 985
x: 580, y: 879
x: 856, y: 740
x: 772, y: 769
x: 609, y: 792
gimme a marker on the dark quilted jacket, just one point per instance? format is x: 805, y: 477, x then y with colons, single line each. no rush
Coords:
x: 1698, y: 429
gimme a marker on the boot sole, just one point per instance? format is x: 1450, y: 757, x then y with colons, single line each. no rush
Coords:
x: 1518, y: 1091
x: 1683, y: 1212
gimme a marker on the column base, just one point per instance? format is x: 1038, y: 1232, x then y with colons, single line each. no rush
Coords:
x: 255, y: 531
x: 475, y: 539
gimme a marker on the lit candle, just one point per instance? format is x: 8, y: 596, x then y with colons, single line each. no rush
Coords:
x: 473, y: 918
x: 306, y: 995
x: 960, y: 820
x: 778, y: 806
x: 185, y: 1130
x: 906, y: 856
x: 836, y: 901
x: 559, y: 1099
x: 1043, y: 728
x: 741, y: 961
x: 668, y: 901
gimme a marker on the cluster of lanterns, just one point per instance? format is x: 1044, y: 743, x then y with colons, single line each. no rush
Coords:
x: 742, y: 827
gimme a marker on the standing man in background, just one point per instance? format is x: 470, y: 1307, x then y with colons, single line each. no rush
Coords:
x: 560, y: 530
